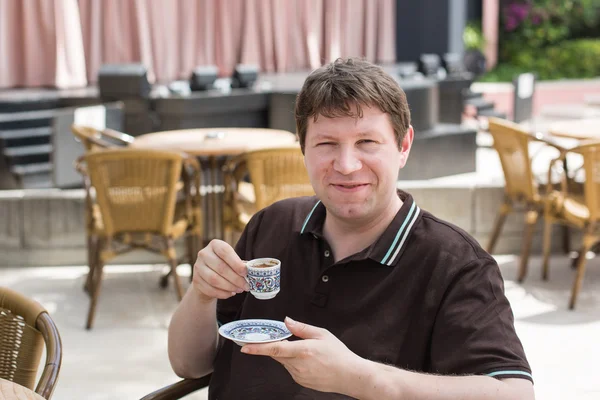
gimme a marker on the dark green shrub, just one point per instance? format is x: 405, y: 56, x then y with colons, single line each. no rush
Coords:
x: 568, y: 59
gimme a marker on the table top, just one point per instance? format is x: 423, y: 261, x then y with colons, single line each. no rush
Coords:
x: 215, y: 141
x: 593, y: 99
x: 13, y: 391
x: 580, y: 129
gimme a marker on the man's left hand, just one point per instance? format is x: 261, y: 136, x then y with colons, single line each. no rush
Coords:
x: 320, y: 361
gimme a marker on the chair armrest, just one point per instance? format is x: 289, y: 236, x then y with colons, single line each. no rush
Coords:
x: 49, y: 377
x: 179, y: 389
x: 117, y: 136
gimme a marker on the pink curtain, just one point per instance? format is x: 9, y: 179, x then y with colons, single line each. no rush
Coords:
x: 63, y: 43
x: 41, y: 44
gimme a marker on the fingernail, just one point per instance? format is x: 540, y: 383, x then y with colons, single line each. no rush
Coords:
x: 233, y: 293
x: 239, y: 290
x: 247, y: 287
x: 244, y: 349
x: 289, y: 321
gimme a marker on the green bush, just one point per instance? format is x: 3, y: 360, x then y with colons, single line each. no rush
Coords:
x: 568, y: 59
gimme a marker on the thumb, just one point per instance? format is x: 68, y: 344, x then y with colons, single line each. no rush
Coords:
x: 304, y: 331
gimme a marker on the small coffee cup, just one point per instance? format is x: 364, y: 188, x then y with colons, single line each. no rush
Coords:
x: 264, y: 277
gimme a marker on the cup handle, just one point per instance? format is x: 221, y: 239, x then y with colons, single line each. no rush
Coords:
x: 246, y: 277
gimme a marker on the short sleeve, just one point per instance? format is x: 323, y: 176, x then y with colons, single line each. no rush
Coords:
x: 228, y: 310
x: 474, y: 331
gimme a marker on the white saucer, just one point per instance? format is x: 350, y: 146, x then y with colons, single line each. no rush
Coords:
x: 247, y: 331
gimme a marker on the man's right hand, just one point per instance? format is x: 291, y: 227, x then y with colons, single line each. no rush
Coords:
x: 219, y: 272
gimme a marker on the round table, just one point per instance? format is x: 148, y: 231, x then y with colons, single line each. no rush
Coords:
x: 580, y: 129
x: 13, y: 391
x: 592, y: 100
x: 213, y: 146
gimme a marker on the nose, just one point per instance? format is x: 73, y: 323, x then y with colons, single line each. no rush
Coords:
x: 346, y: 161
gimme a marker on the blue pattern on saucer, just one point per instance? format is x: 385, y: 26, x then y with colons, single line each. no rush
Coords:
x: 255, y: 331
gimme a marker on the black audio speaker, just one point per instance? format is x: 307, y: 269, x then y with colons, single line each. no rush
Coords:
x: 121, y: 81
x: 429, y: 64
x: 453, y: 63
x: 203, y: 77
x: 406, y: 70
x: 244, y: 76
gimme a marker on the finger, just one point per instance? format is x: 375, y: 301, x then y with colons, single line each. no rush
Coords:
x: 217, y: 281
x: 208, y: 258
x: 277, y: 350
x: 305, y: 331
x: 226, y: 253
x: 210, y: 291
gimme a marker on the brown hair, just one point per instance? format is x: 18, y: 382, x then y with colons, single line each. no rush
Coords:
x: 342, y: 87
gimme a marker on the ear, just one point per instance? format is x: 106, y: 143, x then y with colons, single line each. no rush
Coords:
x: 406, y: 145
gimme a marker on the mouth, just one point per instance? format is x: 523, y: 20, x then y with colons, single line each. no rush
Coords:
x: 349, y: 187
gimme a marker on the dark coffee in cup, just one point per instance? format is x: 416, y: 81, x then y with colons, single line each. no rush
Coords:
x: 268, y: 264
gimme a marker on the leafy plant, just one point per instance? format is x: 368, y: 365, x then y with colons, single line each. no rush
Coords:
x: 551, y: 37
x: 473, y: 38
x: 569, y: 59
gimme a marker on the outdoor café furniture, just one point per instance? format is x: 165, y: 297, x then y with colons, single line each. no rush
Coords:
x: 179, y: 389
x: 26, y: 329
x: 93, y: 139
x: 592, y: 100
x: 579, y: 129
x: 567, y: 208
x: 135, y: 193
x: 214, y: 146
x: 521, y: 190
x: 13, y: 391
x: 275, y: 174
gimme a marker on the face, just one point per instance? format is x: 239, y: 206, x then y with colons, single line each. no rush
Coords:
x: 353, y: 163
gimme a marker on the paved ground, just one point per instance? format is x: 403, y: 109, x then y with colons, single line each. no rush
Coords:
x: 124, y: 356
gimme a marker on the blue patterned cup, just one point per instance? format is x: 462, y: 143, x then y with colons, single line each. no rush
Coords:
x: 264, y: 277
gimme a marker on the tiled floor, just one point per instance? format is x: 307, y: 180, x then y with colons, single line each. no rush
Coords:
x: 124, y: 356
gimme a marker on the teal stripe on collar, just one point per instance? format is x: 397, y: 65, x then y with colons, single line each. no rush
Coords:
x: 404, y: 236
x: 408, y: 217
x: 308, y: 217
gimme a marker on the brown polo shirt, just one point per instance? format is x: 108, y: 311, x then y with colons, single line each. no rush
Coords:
x: 424, y: 297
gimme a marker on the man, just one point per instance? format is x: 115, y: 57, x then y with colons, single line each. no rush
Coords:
x: 385, y: 300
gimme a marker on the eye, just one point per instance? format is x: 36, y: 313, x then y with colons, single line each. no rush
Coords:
x: 366, y: 141
x: 325, y: 144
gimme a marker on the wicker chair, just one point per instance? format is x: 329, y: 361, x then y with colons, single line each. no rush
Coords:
x: 25, y: 329
x: 521, y: 189
x: 568, y: 207
x: 275, y: 174
x: 94, y: 139
x: 134, y: 192
x: 179, y: 389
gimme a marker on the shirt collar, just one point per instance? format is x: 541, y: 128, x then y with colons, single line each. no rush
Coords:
x: 389, y: 247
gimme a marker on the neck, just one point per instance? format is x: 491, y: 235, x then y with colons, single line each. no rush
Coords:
x: 347, y: 237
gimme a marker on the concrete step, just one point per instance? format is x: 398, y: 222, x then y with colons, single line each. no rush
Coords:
x: 16, y: 105
x: 25, y: 137
x: 28, y: 154
x: 27, y: 119
x: 30, y: 169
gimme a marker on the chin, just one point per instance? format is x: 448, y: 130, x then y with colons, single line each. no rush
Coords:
x: 349, y: 211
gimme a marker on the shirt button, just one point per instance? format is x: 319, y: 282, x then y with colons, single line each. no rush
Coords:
x: 325, y: 278
x: 327, y: 253
x: 315, y: 236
